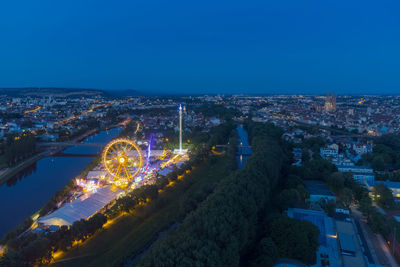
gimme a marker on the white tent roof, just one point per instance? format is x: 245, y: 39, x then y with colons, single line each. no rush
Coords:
x: 81, y: 208
x: 96, y: 174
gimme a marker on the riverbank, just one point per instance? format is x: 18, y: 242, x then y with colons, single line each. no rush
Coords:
x: 11, y: 172
x: 47, y: 176
x: 63, y: 193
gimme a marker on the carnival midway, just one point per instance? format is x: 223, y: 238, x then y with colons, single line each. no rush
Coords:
x: 123, y: 168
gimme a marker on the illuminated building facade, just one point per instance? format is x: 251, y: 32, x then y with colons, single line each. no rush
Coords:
x: 330, y: 102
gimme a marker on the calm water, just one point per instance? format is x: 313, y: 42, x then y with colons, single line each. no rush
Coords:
x: 244, y: 141
x: 24, y: 195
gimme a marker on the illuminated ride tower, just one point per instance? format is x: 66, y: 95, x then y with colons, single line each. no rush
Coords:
x: 180, y: 150
x: 180, y: 129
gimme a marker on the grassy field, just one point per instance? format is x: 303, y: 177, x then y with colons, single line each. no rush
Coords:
x: 131, y: 234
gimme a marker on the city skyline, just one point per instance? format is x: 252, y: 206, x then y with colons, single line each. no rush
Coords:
x: 208, y: 133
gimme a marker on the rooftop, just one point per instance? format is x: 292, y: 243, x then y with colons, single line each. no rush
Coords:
x: 81, y: 208
x: 318, y: 188
x: 327, y: 241
x: 350, y: 244
x: 347, y: 243
x: 389, y: 184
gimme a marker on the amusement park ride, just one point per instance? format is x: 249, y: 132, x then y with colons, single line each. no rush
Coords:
x: 123, y: 160
x: 123, y: 168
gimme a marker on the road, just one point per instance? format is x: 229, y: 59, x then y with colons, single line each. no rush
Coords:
x: 365, y: 243
x: 382, y: 244
x: 377, y: 247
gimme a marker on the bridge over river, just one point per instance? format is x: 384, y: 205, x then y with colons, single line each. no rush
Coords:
x: 66, y: 144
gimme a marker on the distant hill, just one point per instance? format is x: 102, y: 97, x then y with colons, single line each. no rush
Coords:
x: 122, y: 93
x: 49, y: 91
x: 63, y: 92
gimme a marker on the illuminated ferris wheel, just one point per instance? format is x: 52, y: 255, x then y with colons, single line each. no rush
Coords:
x: 123, y: 160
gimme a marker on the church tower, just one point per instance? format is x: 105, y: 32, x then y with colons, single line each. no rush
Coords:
x: 330, y: 102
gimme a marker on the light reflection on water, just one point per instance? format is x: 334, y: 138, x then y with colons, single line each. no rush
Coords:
x: 243, y: 141
x: 28, y: 191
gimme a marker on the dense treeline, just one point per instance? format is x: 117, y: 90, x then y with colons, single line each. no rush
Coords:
x: 277, y: 235
x: 386, y: 153
x: 390, y: 140
x: 225, y: 227
x: 19, y: 147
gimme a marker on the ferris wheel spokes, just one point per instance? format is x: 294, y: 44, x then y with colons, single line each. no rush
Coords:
x: 123, y: 160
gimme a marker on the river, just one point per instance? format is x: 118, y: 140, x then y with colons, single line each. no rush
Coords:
x: 243, y: 152
x: 27, y: 192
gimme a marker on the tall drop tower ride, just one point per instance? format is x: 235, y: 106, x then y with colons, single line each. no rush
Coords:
x: 180, y: 130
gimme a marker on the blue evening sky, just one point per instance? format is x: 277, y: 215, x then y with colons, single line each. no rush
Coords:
x: 281, y: 46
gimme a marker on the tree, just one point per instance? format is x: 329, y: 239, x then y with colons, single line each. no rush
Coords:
x: 314, y: 143
x: 12, y: 258
x: 329, y: 207
x: 378, y: 163
x: 223, y: 226
x: 288, y: 198
x: 19, y: 147
x: 383, y: 196
x: 305, y: 155
x: 79, y: 230
x: 346, y: 195
x: 295, y: 238
x: 366, y: 207
x: 266, y: 254
x: 318, y: 169
x: 38, y: 251
x: 390, y: 140
x: 126, y: 203
x: 95, y: 223
x: 336, y: 181
x: 293, y: 181
x: 378, y: 223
